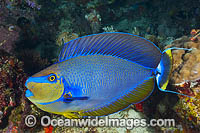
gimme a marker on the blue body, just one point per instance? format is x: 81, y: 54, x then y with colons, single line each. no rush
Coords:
x: 103, y: 72
x: 101, y: 78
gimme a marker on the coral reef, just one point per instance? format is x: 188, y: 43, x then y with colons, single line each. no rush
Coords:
x: 33, y: 4
x: 94, y: 19
x: 8, y: 36
x: 14, y: 106
x: 11, y: 10
x: 126, y: 114
x: 34, y: 30
x: 186, y: 78
x: 65, y: 37
x: 33, y: 61
x: 17, y: 117
x: 12, y: 78
x: 109, y: 29
x: 185, y: 64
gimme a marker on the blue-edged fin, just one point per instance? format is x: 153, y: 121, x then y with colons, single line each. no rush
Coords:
x: 117, y: 44
x: 138, y: 94
x: 164, y: 69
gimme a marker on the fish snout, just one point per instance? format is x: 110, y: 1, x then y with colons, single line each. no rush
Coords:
x: 28, y: 91
x: 26, y: 83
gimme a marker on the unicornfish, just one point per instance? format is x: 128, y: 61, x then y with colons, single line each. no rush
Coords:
x: 100, y: 74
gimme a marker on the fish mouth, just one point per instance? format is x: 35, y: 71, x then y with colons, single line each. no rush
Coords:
x: 28, y: 92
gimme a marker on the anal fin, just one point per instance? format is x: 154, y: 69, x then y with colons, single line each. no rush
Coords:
x: 138, y: 94
x: 71, y: 115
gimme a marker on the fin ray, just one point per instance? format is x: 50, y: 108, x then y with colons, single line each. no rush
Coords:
x: 164, y: 69
x: 117, y: 44
x: 71, y: 115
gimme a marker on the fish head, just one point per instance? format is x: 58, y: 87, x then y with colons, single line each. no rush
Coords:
x: 45, y: 86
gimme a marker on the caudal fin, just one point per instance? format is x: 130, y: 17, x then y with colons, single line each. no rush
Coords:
x: 164, y: 70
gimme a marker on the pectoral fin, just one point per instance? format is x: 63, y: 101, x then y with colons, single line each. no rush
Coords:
x: 69, y: 98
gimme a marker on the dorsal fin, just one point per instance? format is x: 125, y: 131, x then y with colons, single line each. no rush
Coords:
x: 117, y: 44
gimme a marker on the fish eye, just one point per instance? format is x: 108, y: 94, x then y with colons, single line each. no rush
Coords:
x: 52, y: 78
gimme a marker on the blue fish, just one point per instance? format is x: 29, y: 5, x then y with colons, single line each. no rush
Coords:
x: 100, y: 74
